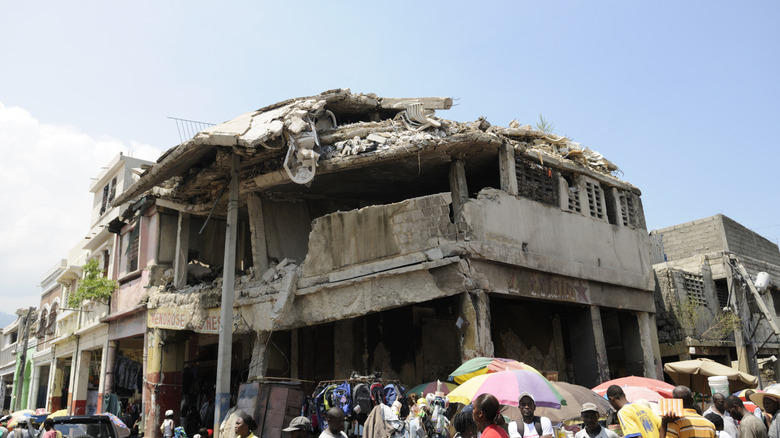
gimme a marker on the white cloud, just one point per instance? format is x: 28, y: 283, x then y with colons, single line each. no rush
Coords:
x: 45, y: 171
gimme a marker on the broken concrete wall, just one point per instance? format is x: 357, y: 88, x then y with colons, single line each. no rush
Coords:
x: 344, y: 239
x: 287, y: 227
x: 130, y: 293
x: 696, y: 237
x: 167, y: 249
x: 522, y: 232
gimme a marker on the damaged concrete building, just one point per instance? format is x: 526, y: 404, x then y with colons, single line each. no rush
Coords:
x: 372, y: 235
x: 707, y: 303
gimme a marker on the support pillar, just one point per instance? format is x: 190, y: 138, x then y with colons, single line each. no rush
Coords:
x: 648, y: 337
x: 164, y: 369
x: 560, y: 354
x: 736, y: 298
x: 506, y: 164
x: 258, y: 365
x: 33, y: 390
x: 476, y: 339
x: 458, y: 186
x: 102, y: 388
x: 79, y: 388
x: 224, y: 353
x: 56, y: 381
x: 257, y: 234
x: 182, y: 250
x: 600, y: 344
x: 109, y: 362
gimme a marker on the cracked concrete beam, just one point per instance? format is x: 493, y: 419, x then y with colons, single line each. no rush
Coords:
x: 434, y: 103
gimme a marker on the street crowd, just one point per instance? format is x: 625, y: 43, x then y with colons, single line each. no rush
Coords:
x: 726, y: 418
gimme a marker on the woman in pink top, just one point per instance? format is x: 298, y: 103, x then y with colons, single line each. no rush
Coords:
x: 488, y: 418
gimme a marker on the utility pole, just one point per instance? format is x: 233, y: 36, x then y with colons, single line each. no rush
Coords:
x: 25, y: 337
x: 225, y: 349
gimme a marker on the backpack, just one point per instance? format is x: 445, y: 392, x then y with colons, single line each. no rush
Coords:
x: 361, y: 397
x: 391, y: 394
x: 341, y: 397
x: 521, y: 426
x: 377, y: 394
x: 321, y: 405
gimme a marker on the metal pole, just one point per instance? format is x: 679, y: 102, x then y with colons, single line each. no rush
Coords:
x: 26, y: 335
x: 224, y: 352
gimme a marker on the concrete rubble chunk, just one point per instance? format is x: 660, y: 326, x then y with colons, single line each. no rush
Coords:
x: 377, y: 138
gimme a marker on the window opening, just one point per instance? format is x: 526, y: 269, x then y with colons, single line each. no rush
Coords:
x: 537, y: 182
x: 722, y: 291
x: 594, y: 199
x: 694, y: 289
x: 573, y: 193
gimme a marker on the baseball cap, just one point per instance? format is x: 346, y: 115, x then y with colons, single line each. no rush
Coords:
x: 587, y: 407
x: 169, y: 412
x: 526, y: 394
x: 298, y: 423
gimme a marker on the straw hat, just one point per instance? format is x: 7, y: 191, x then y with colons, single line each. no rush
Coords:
x: 758, y: 397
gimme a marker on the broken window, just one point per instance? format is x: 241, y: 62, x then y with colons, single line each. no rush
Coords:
x: 627, y: 209
x: 128, y: 256
x: 595, y: 199
x: 775, y: 299
x: 109, y: 192
x: 105, y: 263
x: 694, y: 289
x: 537, y: 182
x: 112, y: 190
x: 104, y: 204
x: 722, y: 291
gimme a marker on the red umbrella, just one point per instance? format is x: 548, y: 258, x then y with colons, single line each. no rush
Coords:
x: 662, y: 388
x: 634, y: 393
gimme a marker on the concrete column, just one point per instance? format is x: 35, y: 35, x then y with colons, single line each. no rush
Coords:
x: 74, y: 362
x: 476, y: 339
x: 33, y: 390
x: 164, y: 369
x: 506, y: 164
x: 600, y: 344
x: 224, y: 353
x: 109, y: 361
x: 560, y: 354
x: 458, y: 186
x: 258, y: 365
x: 257, y: 234
x: 182, y: 249
x: 79, y: 389
x: 586, y: 338
x: 739, y: 340
x: 56, y: 380
x: 294, y: 354
x: 648, y: 338
x: 102, y: 389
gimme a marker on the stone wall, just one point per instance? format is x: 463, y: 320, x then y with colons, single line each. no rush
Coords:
x: 697, y: 237
x: 743, y: 241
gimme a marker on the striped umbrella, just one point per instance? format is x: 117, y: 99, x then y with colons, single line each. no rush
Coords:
x: 507, y: 386
x: 484, y: 365
x: 430, y: 387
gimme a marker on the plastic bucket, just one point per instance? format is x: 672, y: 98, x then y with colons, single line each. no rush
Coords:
x: 719, y: 384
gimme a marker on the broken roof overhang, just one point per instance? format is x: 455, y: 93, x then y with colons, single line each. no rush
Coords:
x: 372, y: 130
x: 264, y: 127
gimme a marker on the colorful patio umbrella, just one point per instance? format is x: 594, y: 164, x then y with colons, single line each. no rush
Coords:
x: 506, y: 386
x: 661, y: 387
x: 121, y: 427
x: 430, y: 387
x: 60, y: 413
x: 484, y: 365
x: 575, y: 396
x: 14, y: 421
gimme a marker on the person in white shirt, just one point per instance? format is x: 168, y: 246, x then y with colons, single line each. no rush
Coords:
x: 592, y: 429
x: 719, y: 407
x: 531, y: 426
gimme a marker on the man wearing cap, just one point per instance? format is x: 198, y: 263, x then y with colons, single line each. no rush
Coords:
x: 691, y: 424
x: 531, y: 426
x: 300, y: 427
x: 592, y: 429
x: 770, y: 401
x: 636, y: 420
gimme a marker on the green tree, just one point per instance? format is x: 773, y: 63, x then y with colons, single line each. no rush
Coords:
x: 544, y: 125
x: 93, y: 286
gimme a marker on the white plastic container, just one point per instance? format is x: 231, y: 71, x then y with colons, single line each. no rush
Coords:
x: 719, y: 384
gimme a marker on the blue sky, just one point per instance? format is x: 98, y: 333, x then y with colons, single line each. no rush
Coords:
x: 682, y: 96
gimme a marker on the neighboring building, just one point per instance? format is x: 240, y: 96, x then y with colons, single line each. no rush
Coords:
x: 8, y: 344
x: 373, y: 236
x: 23, y: 332
x: 75, y: 345
x: 697, y: 266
